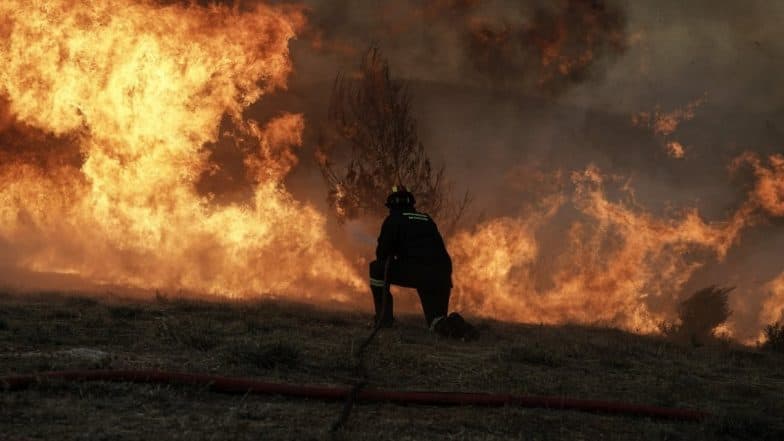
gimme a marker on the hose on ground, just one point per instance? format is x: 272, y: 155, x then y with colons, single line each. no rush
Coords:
x: 360, y: 370
x: 366, y: 395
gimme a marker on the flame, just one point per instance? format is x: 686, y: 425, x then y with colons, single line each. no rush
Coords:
x: 557, y: 46
x: 767, y: 196
x: 114, y: 102
x: 768, y: 191
x: 618, y: 261
x: 141, y: 88
x: 564, y: 52
x: 675, y: 150
x: 666, y: 123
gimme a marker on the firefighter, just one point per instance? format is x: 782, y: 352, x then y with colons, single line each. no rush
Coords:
x: 411, y: 253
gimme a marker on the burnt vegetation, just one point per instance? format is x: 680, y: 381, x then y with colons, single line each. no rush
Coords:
x: 774, y: 337
x: 699, y: 316
x: 370, y: 142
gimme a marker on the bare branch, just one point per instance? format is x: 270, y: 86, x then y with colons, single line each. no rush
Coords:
x: 370, y: 122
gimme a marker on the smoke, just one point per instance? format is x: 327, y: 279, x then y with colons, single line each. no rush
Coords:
x: 665, y: 81
x: 532, y: 46
x: 553, y: 48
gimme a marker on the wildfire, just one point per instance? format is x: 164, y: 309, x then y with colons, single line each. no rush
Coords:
x: 141, y: 88
x: 618, y: 263
x: 664, y: 124
x: 675, y: 150
x: 767, y: 196
x: 106, y: 109
x: 768, y: 191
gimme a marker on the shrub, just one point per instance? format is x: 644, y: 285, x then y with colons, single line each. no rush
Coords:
x: 161, y: 297
x: 774, y: 337
x: 699, y: 316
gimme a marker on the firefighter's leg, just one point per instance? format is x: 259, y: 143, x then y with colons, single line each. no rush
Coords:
x: 384, y: 309
x: 435, y: 301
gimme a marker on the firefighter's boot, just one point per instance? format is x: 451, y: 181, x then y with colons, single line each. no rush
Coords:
x: 454, y: 326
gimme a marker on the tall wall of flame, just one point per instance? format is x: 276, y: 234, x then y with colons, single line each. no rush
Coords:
x: 141, y: 88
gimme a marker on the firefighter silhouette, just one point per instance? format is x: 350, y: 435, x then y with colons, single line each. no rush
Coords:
x: 411, y: 253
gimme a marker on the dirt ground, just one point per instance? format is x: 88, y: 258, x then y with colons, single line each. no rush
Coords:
x: 742, y: 387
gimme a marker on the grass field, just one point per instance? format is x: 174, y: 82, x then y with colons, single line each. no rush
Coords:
x: 743, y: 387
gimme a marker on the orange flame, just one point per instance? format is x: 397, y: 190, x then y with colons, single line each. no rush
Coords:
x: 767, y: 197
x: 773, y: 307
x: 139, y: 89
x: 142, y: 87
x: 768, y: 191
x: 664, y: 124
x: 618, y: 261
x: 675, y: 150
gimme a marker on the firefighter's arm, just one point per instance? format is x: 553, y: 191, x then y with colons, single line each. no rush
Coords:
x: 387, y: 239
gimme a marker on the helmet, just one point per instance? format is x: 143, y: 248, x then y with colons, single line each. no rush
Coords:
x: 400, y: 198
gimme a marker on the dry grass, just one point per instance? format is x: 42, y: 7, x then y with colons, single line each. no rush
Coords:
x: 300, y: 344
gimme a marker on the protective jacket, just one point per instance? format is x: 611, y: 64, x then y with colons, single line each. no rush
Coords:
x: 412, y: 236
x: 419, y: 260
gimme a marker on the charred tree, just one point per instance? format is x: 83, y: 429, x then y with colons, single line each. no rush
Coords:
x: 370, y: 143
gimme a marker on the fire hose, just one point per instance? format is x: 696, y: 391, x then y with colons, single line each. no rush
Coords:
x: 359, y: 367
x: 243, y: 386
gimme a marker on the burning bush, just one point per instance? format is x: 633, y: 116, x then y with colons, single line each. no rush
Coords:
x: 699, y: 316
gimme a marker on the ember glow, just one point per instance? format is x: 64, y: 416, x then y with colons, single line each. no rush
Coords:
x: 675, y: 149
x: 666, y: 123
x: 110, y: 112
